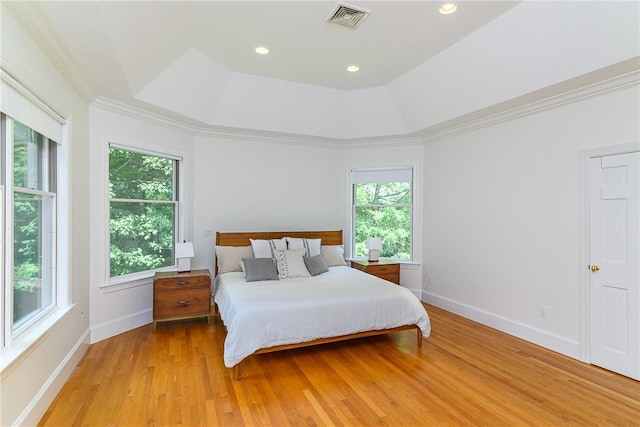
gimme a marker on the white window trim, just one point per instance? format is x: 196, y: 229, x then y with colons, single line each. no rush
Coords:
x: 20, y: 104
x: 28, y: 323
x: 107, y: 284
x: 12, y: 334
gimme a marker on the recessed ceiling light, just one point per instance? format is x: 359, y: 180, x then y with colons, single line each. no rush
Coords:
x: 448, y: 8
x: 261, y: 50
x: 353, y: 68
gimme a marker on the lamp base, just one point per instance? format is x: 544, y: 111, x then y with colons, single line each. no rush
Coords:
x: 184, y: 264
x: 374, y: 255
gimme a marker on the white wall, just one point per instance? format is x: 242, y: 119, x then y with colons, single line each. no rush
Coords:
x: 264, y: 186
x: 122, y: 307
x: 503, y: 230
x: 31, y: 382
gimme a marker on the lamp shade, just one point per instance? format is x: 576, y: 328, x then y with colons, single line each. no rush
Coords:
x: 184, y: 250
x: 374, y: 243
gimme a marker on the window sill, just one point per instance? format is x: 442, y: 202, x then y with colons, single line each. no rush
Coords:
x: 26, y: 343
x: 110, y: 287
x: 131, y: 281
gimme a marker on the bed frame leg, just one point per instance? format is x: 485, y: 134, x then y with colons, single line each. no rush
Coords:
x: 236, y: 372
x: 419, y: 332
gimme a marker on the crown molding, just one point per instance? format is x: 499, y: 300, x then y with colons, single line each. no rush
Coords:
x: 549, y: 98
x: 526, y: 106
x: 255, y: 135
x: 112, y: 105
x: 26, y: 14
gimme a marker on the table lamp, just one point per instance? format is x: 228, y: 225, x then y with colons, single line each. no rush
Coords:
x: 374, y: 244
x: 184, y: 253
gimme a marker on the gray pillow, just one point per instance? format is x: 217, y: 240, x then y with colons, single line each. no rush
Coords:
x: 259, y: 269
x: 315, y: 264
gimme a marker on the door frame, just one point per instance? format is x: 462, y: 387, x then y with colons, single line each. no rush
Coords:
x: 585, y: 301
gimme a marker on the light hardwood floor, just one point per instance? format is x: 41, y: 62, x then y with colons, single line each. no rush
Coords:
x: 465, y: 374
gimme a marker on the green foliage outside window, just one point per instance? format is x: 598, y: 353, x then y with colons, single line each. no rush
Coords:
x: 33, y: 207
x: 383, y: 210
x: 26, y: 214
x: 142, y: 211
x: 26, y: 235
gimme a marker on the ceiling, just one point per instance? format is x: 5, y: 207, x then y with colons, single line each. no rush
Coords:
x: 124, y: 45
x: 195, y: 61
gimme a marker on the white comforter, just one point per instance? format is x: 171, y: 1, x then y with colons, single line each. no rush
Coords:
x: 340, y: 302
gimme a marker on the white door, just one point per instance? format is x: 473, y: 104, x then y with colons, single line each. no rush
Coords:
x: 614, y: 222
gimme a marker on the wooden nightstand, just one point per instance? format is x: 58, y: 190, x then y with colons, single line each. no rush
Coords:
x: 387, y: 270
x: 178, y: 296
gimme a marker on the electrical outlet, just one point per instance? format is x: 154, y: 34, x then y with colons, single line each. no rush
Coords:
x: 430, y: 279
x: 544, y: 311
x: 208, y: 232
x: 82, y: 317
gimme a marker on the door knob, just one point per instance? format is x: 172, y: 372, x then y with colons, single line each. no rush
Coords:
x: 595, y: 268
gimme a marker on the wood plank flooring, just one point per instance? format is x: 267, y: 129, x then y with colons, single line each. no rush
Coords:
x: 464, y: 374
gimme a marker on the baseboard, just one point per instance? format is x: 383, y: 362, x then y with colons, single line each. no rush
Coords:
x: 558, y: 343
x: 119, y: 325
x: 34, y: 411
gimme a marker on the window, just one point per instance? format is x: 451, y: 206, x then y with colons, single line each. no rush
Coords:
x: 29, y: 201
x: 144, y: 202
x: 383, y: 207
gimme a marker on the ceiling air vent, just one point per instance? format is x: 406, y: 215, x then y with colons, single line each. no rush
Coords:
x: 348, y: 15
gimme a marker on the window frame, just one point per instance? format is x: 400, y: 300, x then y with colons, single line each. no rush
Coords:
x: 11, y: 332
x: 378, y: 175
x: 180, y: 158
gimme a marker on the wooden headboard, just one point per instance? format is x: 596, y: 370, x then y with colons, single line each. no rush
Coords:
x: 331, y: 237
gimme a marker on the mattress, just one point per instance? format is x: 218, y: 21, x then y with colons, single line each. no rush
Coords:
x: 342, y: 301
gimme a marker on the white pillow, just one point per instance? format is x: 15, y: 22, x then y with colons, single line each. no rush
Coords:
x: 311, y: 246
x: 229, y: 257
x: 333, y: 255
x: 267, y: 248
x: 291, y: 264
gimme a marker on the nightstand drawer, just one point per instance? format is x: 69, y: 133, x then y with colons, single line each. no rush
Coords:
x: 384, y: 269
x: 174, y: 283
x: 390, y: 276
x: 188, y: 302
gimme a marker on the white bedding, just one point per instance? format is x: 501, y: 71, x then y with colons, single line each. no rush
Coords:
x: 340, y: 302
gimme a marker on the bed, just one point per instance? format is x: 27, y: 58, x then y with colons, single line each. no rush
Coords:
x: 339, y: 303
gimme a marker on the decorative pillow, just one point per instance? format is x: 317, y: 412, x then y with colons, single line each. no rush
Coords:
x: 333, y: 255
x: 229, y: 257
x: 311, y: 246
x: 291, y: 264
x: 259, y: 269
x: 315, y: 264
x: 267, y: 248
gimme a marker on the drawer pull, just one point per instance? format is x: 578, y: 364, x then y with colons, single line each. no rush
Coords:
x: 183, y: 302
x: 183, y: 282
x: 382, y: 268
